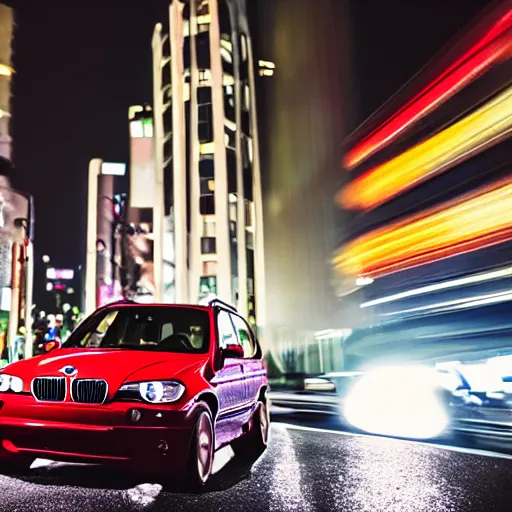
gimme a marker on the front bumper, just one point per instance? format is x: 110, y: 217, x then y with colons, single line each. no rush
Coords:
x: 157, y: 442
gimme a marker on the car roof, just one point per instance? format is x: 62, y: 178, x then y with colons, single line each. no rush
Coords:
x: 130, y: 303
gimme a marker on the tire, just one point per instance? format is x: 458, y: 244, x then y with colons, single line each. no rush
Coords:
x: 252, y: 444
x: 202, y: 447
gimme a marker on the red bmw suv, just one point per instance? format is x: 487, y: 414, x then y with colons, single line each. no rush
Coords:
x: 157, y: 388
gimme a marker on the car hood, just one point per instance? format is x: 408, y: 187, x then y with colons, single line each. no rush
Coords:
x: 116, y: 366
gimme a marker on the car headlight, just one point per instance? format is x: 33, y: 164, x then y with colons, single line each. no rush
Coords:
x: 10, y: 383
x: 155, y: 392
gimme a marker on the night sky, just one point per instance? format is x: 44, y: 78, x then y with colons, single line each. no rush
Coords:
x: 81, y: 64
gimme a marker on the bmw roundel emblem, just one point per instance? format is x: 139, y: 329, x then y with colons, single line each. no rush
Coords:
x: 69, y: 371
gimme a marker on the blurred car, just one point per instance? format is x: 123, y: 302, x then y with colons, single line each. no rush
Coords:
x: 399, y: 401
x: 154, y: 388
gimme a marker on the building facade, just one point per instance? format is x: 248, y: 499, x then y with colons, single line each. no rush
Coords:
x: 6, y: 71
x: 16, y: 215
x: 206, y: 140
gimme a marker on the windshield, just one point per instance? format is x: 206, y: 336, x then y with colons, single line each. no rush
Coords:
x: 159, y: 329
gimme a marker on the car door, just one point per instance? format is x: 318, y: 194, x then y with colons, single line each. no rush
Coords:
x: 229, y: 379
x: 254, y: 370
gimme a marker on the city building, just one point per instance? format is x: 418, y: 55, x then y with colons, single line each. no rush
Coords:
x: 16, y: 214
x: 6, y: 72
x: 104, y: 265
x: 205, y: 129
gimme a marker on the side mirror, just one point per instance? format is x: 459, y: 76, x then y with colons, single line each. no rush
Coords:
x: 232, y: 352
x: 52, y: 345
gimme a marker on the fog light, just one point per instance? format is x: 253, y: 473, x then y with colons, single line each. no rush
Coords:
x: 163, y: 447
x: 135, y: 415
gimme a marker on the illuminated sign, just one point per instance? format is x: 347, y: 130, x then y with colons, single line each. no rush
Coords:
x: 113, y: 169
x: 57, y: 274
x: 141, y: 128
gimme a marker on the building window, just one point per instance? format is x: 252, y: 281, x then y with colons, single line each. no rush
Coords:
x: 231, y: 168
x: 203, y: 50
x: 206, y: 168
x: 207, y: 205
x: 230, y: 138
x: 243, y: 47
x: 247, y: 98
x: 205, y: 113
x: 208, y: 245
x: 207, y: 186
x: 232, y: 212
x: 209, y: 228
x: 204, y: 94
x: 203, y: 13
x: 204, y: 132
x: 249, y: 238
x: 207, y: 148
x: 248, y: 214
x: 208, y: 284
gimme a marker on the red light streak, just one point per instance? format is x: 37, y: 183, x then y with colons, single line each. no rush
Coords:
x: 464, y: 70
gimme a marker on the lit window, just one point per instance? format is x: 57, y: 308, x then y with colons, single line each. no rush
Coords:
x: 243, y: 44
x: 208, y: 148
x: 136, y: 129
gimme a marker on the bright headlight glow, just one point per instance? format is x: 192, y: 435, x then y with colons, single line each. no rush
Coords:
x: 8, y: 382
x: 157, y: 391
x: 16, y: 384
x: 5, y: 382
x: 397, y: 401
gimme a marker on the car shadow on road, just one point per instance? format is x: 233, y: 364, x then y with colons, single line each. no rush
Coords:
x: 92, y: 476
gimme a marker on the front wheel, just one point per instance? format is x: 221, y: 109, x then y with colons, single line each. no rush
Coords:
x: 201, y: 451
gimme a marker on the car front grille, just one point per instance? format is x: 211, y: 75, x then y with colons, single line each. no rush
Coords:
x: 49, y: 389
x: 89, y: 391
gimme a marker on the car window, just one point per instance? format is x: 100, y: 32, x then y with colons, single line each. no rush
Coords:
x: 161, y: 329
x: 94, y: 338
x: 245, y: 336
x: 227, y: 334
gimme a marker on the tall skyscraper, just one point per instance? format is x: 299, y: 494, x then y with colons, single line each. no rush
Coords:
x: 207, y: 106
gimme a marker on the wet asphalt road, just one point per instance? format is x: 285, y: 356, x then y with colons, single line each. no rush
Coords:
x: 303, y: 470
